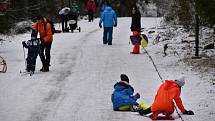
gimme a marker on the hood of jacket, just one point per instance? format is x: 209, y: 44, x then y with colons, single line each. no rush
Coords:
x: 122, y: 85
x: 170, y: 84
x: 107, y: 8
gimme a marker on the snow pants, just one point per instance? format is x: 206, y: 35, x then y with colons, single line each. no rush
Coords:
x: 64, y: 19
x: 45, y: 58
x: 108, y: 35
x: 90, y: 15
x: 31, y: 58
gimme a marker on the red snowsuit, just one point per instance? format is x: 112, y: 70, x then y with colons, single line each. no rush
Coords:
x: 163, y: 102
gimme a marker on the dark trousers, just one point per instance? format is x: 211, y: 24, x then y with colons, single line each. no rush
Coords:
x: 108, y: 35
x: 45, y: 58
x: 31, y: 58
x: 90, y: 15
x: 64, y: 20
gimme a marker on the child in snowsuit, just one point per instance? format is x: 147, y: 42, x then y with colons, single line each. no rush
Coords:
x: 33, y: 50
x: 163, y: 103
x: 122, y: 97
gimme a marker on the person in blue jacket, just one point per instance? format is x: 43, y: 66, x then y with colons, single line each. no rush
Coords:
x: 109, y: 20
x: 122, y: 97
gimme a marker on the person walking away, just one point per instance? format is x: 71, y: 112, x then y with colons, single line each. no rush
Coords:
x: 109, y: 19
x: 91, y: 8
x: 163, y: 103
x: 122, y: 96
x: 43, y: 27
x: 102, y: 7
x: 33, y: 46
x: 64, y: 13
x: 136, y: 27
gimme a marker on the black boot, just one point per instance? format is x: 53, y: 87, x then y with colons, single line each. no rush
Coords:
x: 46, y: 68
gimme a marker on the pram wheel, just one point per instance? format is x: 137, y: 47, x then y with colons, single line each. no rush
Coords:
x: 79, y: 29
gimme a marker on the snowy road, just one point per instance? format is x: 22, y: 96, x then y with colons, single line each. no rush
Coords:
x: 80, y: 83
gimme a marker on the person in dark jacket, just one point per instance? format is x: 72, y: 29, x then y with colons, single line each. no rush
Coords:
x: 122, y: 97
x: 33, y: 51
x: 109, y: 19
x: 136, y: 27
x: 136, y: 20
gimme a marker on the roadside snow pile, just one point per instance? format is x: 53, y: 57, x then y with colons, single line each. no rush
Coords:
x: 181, y: 43
x: 22, y: 27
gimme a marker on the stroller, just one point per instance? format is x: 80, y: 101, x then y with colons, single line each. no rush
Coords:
x: 73, y: 22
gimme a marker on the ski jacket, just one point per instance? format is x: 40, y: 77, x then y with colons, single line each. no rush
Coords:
x: 166, y: 93
x: 108, y: 17
x: 91, y: 6
x: 136, y: 22
x: 32, y: 43
x: 44, y: 29
x: 123, y: 95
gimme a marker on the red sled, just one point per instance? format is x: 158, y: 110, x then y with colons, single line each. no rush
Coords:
x: 161, y: 118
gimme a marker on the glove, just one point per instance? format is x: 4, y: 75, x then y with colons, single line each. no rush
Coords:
x: 100, y: 25
x: 188, y: 112
x: 115, y: 25
x: 24, y: 44
x: 137, y: 95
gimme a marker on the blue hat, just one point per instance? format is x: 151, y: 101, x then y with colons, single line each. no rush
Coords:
x: 33, y: 33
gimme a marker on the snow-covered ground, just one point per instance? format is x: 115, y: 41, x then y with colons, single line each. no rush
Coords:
x: 83, y: 72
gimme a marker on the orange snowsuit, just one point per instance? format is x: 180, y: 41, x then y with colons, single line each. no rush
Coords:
x: 163, y: 102
x: 45, y: 33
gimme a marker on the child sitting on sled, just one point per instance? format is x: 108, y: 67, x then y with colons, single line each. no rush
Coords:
x: 33, y: 49
x: 123, y: 98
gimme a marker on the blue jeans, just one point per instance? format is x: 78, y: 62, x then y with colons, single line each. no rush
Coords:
x: 108, y: 35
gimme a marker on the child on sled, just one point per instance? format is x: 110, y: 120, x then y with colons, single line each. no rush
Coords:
x: 123, y: 98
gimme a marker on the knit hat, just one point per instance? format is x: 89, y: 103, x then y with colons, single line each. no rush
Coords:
x: 180, y: 81
x: 34, y: 34
x: 124, y: 78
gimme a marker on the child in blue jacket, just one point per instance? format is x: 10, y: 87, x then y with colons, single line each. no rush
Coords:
x: 33, y: 50
x: 122, y: 97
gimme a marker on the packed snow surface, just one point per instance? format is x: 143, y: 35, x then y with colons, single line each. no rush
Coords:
x: 83, y: 72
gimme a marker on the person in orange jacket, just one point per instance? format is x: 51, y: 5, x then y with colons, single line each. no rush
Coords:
x: 44, y: 29
x: 163, y: 103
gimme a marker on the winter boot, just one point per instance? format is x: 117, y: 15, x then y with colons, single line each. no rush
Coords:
x: 135, y: 108
x: 46, y: 68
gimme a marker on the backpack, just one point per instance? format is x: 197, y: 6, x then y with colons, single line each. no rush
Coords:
x: 51, y: 24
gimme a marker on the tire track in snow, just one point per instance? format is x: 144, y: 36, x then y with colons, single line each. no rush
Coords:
x: 55, y: 96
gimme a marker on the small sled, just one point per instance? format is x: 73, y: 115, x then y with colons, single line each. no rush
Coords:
x: 139, y: 40
x: 161, y: 118
x: 3, y: 65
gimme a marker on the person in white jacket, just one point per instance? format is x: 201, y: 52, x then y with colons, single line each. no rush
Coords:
x: 64, y: 13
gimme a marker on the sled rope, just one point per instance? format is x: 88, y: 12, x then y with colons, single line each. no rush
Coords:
x: 162, y: 80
